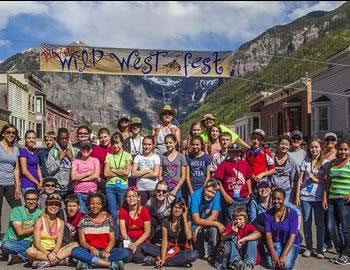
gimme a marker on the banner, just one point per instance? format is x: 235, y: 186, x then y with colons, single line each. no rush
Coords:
x: 83, y: 59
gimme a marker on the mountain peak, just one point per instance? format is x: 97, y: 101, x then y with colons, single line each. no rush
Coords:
x: 78, y: 43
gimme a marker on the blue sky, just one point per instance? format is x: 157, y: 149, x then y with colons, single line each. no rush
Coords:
x: 145, y: 25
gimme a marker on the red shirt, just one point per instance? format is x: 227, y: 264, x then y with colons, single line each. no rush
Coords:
x: 100, y: 153
x: 135, y: 227
x: 234, y: 176
x: 260, y: 160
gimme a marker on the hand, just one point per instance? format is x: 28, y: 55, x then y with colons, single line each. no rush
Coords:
x: 282, y: 261
x: 173, y: 192
x: 185, y: 212
x: 17, y: 193
x: 297, y: 202
x: 52, y: 257
x: 69, y: 154
x: 62, y: 154
x: 173, y: 130
x: 105, y: 254
x: 220, y: 227
x: 347, y: 198
x: 325, y: 204
x: 160, y: 262
x: 228, y: 200
x: 39, y: 185
x: 132, y: 247
x: 93, y: 251
x: 234, y: 228
x: 241, y: 242
x: 259, y: 176
x: 275, y: 259
x: 195, y: 233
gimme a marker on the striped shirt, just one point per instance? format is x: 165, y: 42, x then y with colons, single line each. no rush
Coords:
x: 340, y: 182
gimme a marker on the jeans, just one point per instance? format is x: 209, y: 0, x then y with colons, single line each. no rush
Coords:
x: 138, y: 256
x: 206, y: 241
x: 230, y: 208
x: 83, y: 202
x: 183, y: 258
x: 339, y: 214
x: 115, y: 197
x: 290, y: 260
x: 248, y: 251
x: 84, y: 255
x: 9, y: 193
x: 306, y: 208
x: 16, y: 247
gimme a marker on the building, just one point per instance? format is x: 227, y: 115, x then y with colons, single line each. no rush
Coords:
x: 4, y: 113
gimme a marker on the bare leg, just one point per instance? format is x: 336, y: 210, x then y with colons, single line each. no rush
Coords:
x: 36, y: 255
x: 66, y: 251
x: 103, y: 263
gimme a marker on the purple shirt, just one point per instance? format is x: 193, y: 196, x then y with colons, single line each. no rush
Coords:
x: 32, y: 167
x: 282, y: 231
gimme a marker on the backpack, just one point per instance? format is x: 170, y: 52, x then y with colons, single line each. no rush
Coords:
x: 221, y: 255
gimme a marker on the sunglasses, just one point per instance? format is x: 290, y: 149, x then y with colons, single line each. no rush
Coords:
x: 54, y: 204
x: 163, y: 191
x: 10, y: 132
x: 49, y: 185
x: 85, y: 133
x: 167, y: 113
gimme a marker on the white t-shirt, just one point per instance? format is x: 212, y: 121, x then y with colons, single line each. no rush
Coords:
x: 146, y: 163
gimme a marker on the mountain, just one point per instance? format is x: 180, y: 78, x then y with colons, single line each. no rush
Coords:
x: 269, y: 59
x: 100, y: 99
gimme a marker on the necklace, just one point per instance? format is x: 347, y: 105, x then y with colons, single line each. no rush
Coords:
x: 52, y: 226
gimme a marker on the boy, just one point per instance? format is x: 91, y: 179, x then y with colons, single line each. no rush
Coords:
x: 50, y: 139
x: 74, y: 216
x: 296, y: 152
x: 133, y: 144
x: 243, y: 239
x: 225, y: 141
x: 49, y: 187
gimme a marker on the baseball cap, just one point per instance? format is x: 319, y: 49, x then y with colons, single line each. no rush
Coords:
x: 263, y: 182
x: 259, y: 132
x: 124, y: 116
x: 50, y: 179
x: 330, y: 134
x: 296, y: 133
x: 208, y: 116
x: 234, y: 148
x: 136, y: 121
x: 85, y: 145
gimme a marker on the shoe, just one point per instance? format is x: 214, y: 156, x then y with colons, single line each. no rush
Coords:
x: 13, y: 259
x: 237, y: 265
x: 307, y: 253
x: 320, y: 255
x: 343, y: 260
x: 150, y: 261
x: 120, y: 265
x: 248, y: 266
x: 81, y: 266
x: 64, y: 262
x: 334, y: 259
x: 40, y: 264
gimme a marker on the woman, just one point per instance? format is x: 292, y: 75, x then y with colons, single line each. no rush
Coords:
x: 31, y: 176
x: 175, y: 249
x: 309, y: 192
x: 47, y: 247
x: 214, y: 142
x: 167, y: 116
x: 330, y: 152
x: 117, y: 168
x: 146, y: 169
x: 135, y: 225
x: 83, y: 134
x: 9, y: 168
x: 196, y: 130
x: 97, y: 239
x: 123, y: 126
x: 336, y: 199
x: 281, y: 229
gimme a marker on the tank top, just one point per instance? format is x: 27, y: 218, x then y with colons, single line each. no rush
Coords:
x: 160, y: 147
x: 48, y: 241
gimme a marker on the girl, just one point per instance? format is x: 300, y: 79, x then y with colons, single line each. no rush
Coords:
x: 135, y: 225
x: 83, y: 134
x: 97, y: 239
x: 117, y: 168
x: 47, y: 247
x: 214, y: 142
x: 336, y: 198
x: 85, y: 175
x: 173, y: 169
x: 176, y: 234
x: 167, y: 116
x: 309, y: 192
x: 31, y: 177
x: 123, y: 126
x: 134, y: 142
x: 196, y: 130
x: 9, y: 168
x: 330, y: 152
x: 281, y: 228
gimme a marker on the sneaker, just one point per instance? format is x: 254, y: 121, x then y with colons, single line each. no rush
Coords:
x: 13, y: 259
x: 150, y: 261
x: 40, y: 264
x: 307, y: 253
x: 249, y: 266
x: 64, y: 262
x: 320, y: 255
x: 237, y: 265
x: 343, y: 260
x: 334, y: 259
x: 81, y: 266
x: 120, y: 265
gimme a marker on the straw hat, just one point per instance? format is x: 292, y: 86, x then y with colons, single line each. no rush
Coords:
x: 167, y: 108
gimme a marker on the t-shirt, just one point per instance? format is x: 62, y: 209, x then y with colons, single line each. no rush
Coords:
x: 135, y: 227
x: 118, y: 162
x: 259, y: 160
x: 216, y: 160
x: 42, y: 156
x: 234, y: 176
x: 172, y: 169
x: 97, y: 234
x: 286, y: 174
x: 282, y: 231
x: 223, y: 128
x: 100, y: 152
x: 179, y: 236
x: 298, y: 157
x: 21, y: 214
x: 83, y: 166
x: 158, y: 210
x: 146, y: 163
x: 340, y: 182
x: 32, y: 167
x: 134, y: 146
x: 202, y: 207
x: 7, y: 164
x: 198, y: 169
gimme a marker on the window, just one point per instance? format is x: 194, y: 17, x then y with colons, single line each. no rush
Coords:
x: 29, y: 100
x: 39, y: 105
x: 255, y: 123
x: 323, y: 118
x: 244, y: 132
x: 313, y: 122
x: 294, y: 118
x: 33, y: 104
x: 280, y: 123
x: 39, y: 131
x: 271, y: 125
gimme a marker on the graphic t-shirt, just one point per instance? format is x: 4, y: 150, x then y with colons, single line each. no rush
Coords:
x: 216, y: 160
x: 118, y: 162
x: 21, y: 214
x: 198, y: 169
x: 146, y: 163
x: 260, y: 160
x: 32, y: 167
x: 100, y: 152
x: 234, y: 176
x: 172, y: 169
x: 135, y: 227
x: 84, y: 166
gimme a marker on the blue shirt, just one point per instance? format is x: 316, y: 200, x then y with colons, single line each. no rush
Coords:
x: 43, y: 155
x: 257, y: 212
x: 198, y: 170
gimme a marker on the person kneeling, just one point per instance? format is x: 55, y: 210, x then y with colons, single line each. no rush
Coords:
x: 48, y: 234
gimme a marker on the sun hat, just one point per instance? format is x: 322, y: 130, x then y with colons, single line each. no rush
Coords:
x: 54, y: 197
x: 124, y: 116
x: 167, y: 108
x: 208, y: 116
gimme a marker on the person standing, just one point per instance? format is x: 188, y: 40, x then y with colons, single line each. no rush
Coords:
x: 196, y: 130
x: 133, y: 144
x: 43, y: 154
x: 123, y: 126
x: 83, y: 134
x: 225, y: 141
x: 296, y: 152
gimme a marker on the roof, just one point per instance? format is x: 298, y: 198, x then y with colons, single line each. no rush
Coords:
x: 322, y: 98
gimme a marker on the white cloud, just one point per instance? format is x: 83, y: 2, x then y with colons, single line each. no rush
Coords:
x: 4, y: 42
x: 307, y: 8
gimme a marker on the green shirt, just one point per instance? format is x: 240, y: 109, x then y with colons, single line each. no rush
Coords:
x: 21, y: 214
x: 340, y: 182
x: 234, y: 136
x: 118, y: 162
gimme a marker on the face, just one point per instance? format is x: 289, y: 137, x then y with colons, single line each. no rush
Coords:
x: 257, y: 140
x: 235, y: 155
x: 105, y: 139
x: 170, y: 144
x: 49, y: 187
x: 132, y: 198
x: 49, y: 141
x: 284, y: 146
x: 215, y: 133
x: 239, y: 221
x: 315, y: 149
x: 72, y: 208
x: 83, y: 135
x: 278, y: 200
x: 196, y: 146
x: 63, y: 140
x: 167, y: 117
x: 30, y: 140
x: 118, y: 146
x: 161, y: 192
x: 177, y: 210
x: 209, y: 122
x: 147, y: 146
x: 135, y: 129
x: 31, y: 201
x: 196, y: 130
x: 343, y: 151
x: 95, y: 205
x: 225, y: 141
x: 53, y: 207
x: 124, y: 123
x: 209, y: 193
x: 296, y: 142
x: 331, y: 142
x: 10, y: 135
x: 85, y: 152
x: 264, y: 191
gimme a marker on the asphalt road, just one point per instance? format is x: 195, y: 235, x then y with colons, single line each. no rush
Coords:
x: 302, y: 263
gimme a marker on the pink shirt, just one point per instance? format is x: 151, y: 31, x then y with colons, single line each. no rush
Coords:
x: 83, y: 166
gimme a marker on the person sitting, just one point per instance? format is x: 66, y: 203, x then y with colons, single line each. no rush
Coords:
x: 19, y: 235
x: 48, y: 235
x: 73, y: 217
x: 205, y: 208
x: 175, y: 249
x: 97, y: 239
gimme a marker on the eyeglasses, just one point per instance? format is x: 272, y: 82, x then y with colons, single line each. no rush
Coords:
x: 50, y: 185
x: 31, y: 199
x: 83, y: 133
x: 10, y: 132
x: 163, y: 191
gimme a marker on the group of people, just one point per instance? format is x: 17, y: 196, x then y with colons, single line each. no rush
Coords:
x: 159, y: 200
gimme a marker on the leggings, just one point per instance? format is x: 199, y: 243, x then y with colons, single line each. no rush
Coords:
x: 9, y: 193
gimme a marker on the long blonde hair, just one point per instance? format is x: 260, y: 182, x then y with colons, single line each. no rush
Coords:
x: 321, y: 156
x: 137, y: 192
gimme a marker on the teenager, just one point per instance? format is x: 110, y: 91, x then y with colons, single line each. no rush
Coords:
x: 97, y: 239
x: 296, y: 151
x: 83, y: 135
x: 330, y: 151
x: 217, y: 158
x: 135, y: 225
x: 146, y: 170
x: 123, y: 126
x: 49, y: 187
x: 85, y: 174
x: 214, y: 140
x: 167, y: 115
x: 133, y: 144
x: 43, y: 154
x: 173, y: 167
x: 73, y: 218
x: 195, y: 130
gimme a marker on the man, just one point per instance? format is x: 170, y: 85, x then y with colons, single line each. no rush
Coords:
x: 19, y: 235
x: 50, y: 139
x: 59, y: 163
x: 225, y: 141
x: 296, y: 152
x: 205, y: 208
